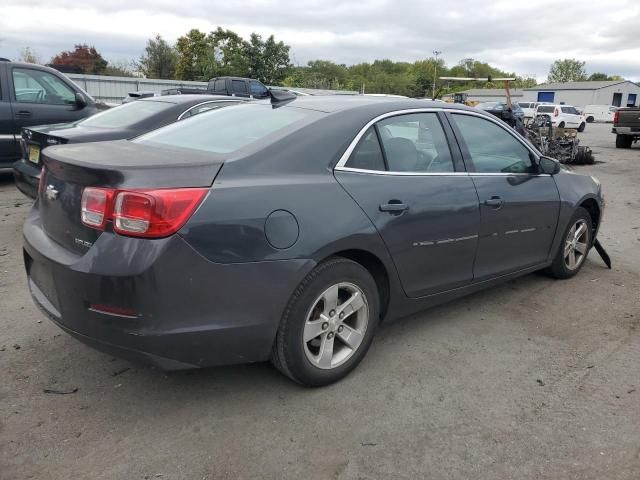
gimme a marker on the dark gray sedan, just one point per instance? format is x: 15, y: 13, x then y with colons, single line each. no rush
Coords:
x: 123, y: 121
x: 289, y: 231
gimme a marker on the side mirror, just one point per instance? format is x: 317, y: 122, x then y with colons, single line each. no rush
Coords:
x: 81, y: 102
x: 549, y: 165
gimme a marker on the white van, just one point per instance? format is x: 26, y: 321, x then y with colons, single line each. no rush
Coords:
x: 599, y: 113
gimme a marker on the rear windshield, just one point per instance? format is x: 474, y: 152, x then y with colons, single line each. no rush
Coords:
x: 126, y: 115
x: 546, y: 109
x: 228, y: 129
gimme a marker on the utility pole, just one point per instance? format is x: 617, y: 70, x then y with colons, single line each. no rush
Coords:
x: 436, y: 53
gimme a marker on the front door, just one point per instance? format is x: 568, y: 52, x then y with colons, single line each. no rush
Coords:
x: 41, y: 98
x: 519, y: 208
x: 403, y: 175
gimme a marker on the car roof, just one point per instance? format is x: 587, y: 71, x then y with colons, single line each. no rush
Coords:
x: 337, y: 103
x: 191, y: 98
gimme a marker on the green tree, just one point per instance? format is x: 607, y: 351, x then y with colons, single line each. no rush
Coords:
x: 195, y: 56
x: 567, y: 70
x: 119, y: 69
x: 229, y: 50
x: 268, y: 60
x: 28, y: 55
x: 158, y: 59
x: 598, y: 76
x: 82, y: 59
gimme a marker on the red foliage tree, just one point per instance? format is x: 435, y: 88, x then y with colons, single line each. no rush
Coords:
x: 83, y: 59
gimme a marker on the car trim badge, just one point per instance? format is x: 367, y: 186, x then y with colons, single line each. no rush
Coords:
x: 51, y: 193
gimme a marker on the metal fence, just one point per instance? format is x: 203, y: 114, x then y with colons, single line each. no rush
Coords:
x: 115, y: 89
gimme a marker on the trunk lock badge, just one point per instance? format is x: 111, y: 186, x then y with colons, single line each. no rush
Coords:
x: 51, y: 192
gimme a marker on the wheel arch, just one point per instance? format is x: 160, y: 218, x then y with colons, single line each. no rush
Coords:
x: 376, y: 267
x: 591, y: 205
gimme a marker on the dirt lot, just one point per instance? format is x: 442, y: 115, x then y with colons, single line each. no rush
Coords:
x: 536, y: 379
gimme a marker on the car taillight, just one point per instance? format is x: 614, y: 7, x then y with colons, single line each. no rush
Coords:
x: 615, y: 117
x: 141, y: 213
x: 556, y: 112
x: 95, y: 205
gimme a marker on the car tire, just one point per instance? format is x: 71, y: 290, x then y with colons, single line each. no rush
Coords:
x: 561, y: 125
x: 569, y: 260
x: 581, y: 127
x: 624, y: 141
x: 590, y: 119
x: 304, y: 356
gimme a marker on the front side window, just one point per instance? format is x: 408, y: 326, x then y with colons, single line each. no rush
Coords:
x: 36, y: 86
x: 415, y: 142
x: 491, y: 147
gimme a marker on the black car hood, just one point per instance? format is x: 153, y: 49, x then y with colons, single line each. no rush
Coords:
x: 75, y: 132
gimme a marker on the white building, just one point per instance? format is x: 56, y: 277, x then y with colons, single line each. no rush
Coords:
x: 619, y: 93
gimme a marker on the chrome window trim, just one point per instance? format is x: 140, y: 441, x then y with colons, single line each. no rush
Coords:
x: 340, y: 166
x: 203, y: 103
x: 401, y: 174
x: 9, y: 136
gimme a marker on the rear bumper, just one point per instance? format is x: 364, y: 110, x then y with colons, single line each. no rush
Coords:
x: 626, y: 130
x: 189, y: 312
x: 27, y: 176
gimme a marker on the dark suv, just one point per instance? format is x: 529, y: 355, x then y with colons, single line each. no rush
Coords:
x: 35, y: 95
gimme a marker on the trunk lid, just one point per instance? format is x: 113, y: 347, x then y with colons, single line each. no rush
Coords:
x: 120, y: 165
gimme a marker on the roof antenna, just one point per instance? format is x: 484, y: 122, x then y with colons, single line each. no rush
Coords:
x: 281, y: 97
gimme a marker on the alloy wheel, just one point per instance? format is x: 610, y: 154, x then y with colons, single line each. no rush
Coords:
x: 576, y: 245
x: 335, y: 325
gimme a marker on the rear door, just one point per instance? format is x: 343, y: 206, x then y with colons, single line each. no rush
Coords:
x: 9, y: 150
x: 571, y: 117
x: 518, y: 206
x: 40, y: 97
x: 413, y: 187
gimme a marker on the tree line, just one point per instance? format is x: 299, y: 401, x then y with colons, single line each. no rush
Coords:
x: 199, y: 56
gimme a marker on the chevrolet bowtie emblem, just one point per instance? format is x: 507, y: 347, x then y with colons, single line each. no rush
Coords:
x: 51, y: 192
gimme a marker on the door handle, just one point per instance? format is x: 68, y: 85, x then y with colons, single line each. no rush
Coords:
x: 494, y: 201
x: 23, y: 114
x: 394, y: 206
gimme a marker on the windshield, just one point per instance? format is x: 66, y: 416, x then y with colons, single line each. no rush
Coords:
x: 228, y: 129
x: 126, y: 115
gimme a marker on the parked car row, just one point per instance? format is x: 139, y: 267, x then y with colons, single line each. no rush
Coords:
x: 125, y: 121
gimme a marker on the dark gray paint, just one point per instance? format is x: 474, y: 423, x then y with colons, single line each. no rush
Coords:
x: 215, y: 292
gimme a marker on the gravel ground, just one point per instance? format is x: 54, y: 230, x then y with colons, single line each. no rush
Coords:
x: 536, y: 379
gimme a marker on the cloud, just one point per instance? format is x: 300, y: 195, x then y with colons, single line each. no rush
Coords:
x: 516, y: 36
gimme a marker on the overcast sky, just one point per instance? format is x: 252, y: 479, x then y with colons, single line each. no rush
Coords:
x: 520, y: 36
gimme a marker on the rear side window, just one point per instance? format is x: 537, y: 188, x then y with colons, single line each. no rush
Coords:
x: 367, y: 154
x: 415, y: 143
x: 491, y: 147
x: 229, y: 129
x: 219, y: 85
x: 126, y: 114
x: 239, y: 86
x: 258, y: 90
